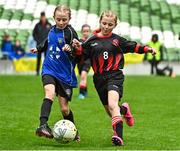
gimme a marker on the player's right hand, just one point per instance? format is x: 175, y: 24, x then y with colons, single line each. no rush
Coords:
x: 76, y: 44
x: 33, y: 50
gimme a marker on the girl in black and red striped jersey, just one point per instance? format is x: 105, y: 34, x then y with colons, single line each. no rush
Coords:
x: 105, y: 50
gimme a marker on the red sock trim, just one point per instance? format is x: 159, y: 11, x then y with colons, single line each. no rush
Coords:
x: 83, y: 87
x: 116, y: 119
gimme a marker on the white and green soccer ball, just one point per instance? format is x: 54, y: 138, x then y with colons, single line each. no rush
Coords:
x: 64, y: 131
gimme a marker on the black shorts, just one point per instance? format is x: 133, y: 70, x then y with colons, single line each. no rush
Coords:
x: 84, y: 66
x: 108, y: 81
x: 61, y: 89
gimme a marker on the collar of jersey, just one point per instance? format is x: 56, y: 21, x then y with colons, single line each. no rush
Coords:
x: 98, y: 30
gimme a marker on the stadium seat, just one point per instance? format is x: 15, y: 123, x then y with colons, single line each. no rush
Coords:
x: 93, y: 8
x: 155, y: 23
x: 73, y: 18
x: 124, y: 28
x: 34, y: 22
x: 28, y: 16
x: 17, y: 14
x: 83, y: 4
x: 4, y: 23
x: 166, y: 25
x: 12, y: 33
x: 14, y: 24
x: 155, y: 8
x: 2, y: 2
x: 103, y: 5
x: 7, y: 14
x: 20, y: 4
x: 63, y: 2
x: 22, y: 35
x: 92, y: 20
x: 165, y: 12
x: 30, y: 7
x: 53, y: 2
x: 25, y: 24
x: 1, y: 10
x: 134, y: 17
x: 135, y: 33
x: 135, y: 3
x: 146, y: 33
x: 40, y: 6
x: 145, y: 19
x: 175, y: 13
x: 10, y: 4
x: 81, y: 18
x: 114, y: 5
x: 73, y: 4
x: 144, y: 5
x: 50, y: 10
x: 168, y: 39
x: 124, y: 13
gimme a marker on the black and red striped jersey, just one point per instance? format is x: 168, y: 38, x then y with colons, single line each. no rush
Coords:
x: 106, y: 52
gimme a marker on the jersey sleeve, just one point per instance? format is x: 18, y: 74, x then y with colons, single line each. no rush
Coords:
x: 86, y: 50
x: 132, y: 46
x: 76, y: 52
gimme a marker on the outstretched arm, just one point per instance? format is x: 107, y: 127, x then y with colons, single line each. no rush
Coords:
x: 134, y: 47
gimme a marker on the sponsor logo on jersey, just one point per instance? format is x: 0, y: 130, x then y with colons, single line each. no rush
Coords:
x: 115, y: 86
x: 94, y: 44
x: 60, y: 41
x: 115, y: 42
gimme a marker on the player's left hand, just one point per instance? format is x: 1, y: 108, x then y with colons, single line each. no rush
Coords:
x: 66, y: 48
x: 152, y: 50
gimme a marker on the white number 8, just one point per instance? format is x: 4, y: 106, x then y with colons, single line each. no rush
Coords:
x: 105, y: 55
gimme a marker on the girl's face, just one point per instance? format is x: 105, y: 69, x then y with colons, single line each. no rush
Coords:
x: 107, y: 24
x: 86, y: 32
x: 62, y: 19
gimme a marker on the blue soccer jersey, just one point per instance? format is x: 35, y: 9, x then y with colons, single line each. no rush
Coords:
x: 59, y: 63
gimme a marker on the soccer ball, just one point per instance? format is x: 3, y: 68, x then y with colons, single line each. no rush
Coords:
x: 64, y: 131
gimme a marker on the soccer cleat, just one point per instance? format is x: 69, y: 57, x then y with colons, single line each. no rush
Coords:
x: 85, y: 93
x: 81, y: 96
x: 77, y: 137
x: 44, y: 131
x: 117, y: 141
x: 128, y: 116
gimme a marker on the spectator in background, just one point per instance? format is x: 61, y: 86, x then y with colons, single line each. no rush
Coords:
x: 7, y: 47
x: 83, y: 67
x: 40, y: 33
x: 31, y: 43
x: 18, y: 49
x: 155, y: 60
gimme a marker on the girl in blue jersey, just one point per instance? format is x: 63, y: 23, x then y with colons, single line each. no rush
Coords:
x: 58, y: 74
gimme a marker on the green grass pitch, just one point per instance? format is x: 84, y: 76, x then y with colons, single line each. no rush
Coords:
x: 155, y: 103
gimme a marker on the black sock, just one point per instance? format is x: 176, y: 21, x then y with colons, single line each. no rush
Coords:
x: 45, y: 110
x: 118, y: 127
x: 123, y: 110
x: 69, y: 117
x: 83, y: 90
